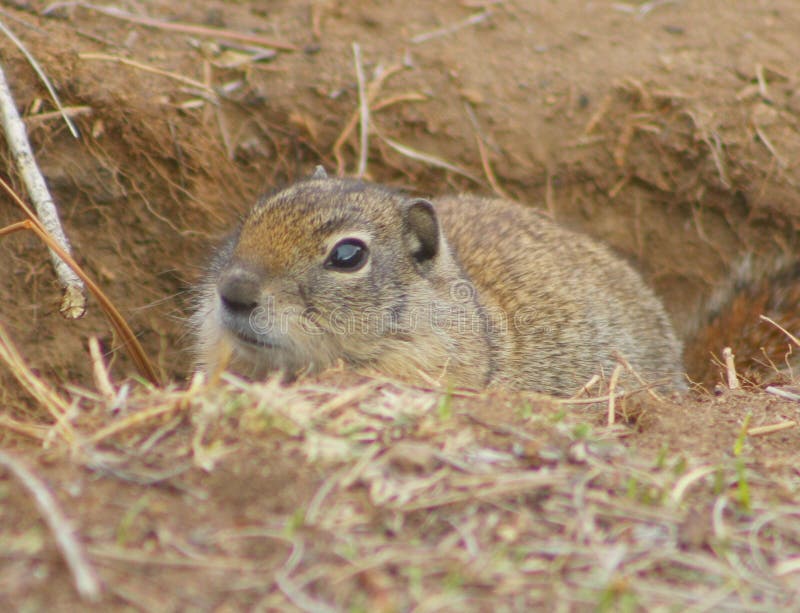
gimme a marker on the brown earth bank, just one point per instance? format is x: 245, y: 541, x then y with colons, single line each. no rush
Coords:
x: 668, y: 129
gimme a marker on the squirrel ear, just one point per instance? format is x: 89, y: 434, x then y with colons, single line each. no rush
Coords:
x: 422, y: 229
x: 319, y: 173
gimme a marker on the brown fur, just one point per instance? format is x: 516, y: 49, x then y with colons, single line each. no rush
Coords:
x: 473, y: 291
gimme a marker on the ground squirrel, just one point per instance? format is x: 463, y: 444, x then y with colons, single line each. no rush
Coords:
x: 466, y: 290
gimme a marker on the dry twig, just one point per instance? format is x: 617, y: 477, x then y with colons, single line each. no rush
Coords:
x: 118, y: 322
x: 372, y: 91
x: 66, y: 111
x: 40, y: 433
x: 487, y: 166
x: 83, y: 574
x: 762, y: 83
x: 768, y: 144
x: 57, y: 406
x: 38, y: 69
x: 464, y: 23
x: 100, y: 371
x: 363, y: 107
x: 137, y: 419
x: 771, y: 428
x: 612, y: 386
x: 184, y: 28
x: 105, y: 57
x: 777, y: 391
x: 73, y: 303
x: 730, y: 368
x: 791, y: 336
x: 631, y: 370
x: 586, y: 387
x: 427, y: 158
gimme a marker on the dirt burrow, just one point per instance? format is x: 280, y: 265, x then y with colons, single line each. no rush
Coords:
x: 672, y: 135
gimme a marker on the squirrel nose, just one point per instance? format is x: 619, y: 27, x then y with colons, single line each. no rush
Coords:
x: 239, y: 290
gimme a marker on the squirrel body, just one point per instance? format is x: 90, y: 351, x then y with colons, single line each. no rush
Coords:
x: 471, y: 291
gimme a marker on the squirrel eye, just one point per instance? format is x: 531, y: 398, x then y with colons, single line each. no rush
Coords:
x: 348, y: 255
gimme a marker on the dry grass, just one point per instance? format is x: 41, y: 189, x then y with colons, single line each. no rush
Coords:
x: 404, y: 498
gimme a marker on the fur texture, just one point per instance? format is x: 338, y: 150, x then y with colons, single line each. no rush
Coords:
x: 473, y: 291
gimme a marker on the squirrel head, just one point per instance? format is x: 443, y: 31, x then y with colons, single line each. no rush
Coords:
x: 325, y: 269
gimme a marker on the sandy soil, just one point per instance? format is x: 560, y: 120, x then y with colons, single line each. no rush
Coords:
x: 669, y: 130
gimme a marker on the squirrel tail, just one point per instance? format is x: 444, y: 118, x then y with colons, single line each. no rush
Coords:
x: 732, y: 317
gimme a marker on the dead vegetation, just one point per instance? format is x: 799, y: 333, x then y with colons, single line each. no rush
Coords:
x: 359, y: 493
x: 369, y: 495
